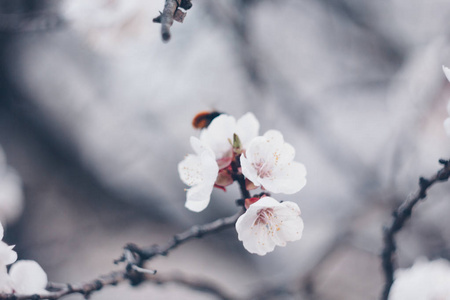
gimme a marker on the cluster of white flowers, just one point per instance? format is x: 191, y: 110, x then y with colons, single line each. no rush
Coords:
x: 228, y: 148
x: 24, y: 277
x: 423, y: 281
x: 447, y: 121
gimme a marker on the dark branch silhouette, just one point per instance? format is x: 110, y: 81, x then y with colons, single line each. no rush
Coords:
x: 399, y: 217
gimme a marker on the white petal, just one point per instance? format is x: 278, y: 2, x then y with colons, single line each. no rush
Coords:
x: 200, y: 147
x: 28, y: 277
x: 198, y: 196
x: 5, y: 282
x: 288, y: 179
x: 447, y: 126
x: 247, y: 128
x: 7, y: 254
x: 423, y: 281
x: 216, y: 135
x: 291, y: 228
x: 446, y: 72
x: 249, y: 171
x: 190, y: 170
x: 1, y: 231
x: 254, y: 237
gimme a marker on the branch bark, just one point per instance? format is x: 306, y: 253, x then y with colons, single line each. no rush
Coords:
x: 171, y: 13
x: 196, y: 231
x: 399, y: 217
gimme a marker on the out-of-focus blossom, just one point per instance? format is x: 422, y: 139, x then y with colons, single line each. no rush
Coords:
x: 447, y: 121
x: 7, y: 257
x: 27, y: 277
x: 112, y: 25
x: 268, y: 223
x: 11, y: 195
x: 423, y: 281
x: 7, y: 254
x: 199, y: 171
x: 219, y: 134
x: 268, y: 162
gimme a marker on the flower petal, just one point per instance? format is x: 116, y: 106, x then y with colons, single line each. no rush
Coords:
x: 247, y: 128
x: 217, y: 134
x: 1, y: 231
x: 288, y: 179
x: 7, y: 254
x: 268, y: 223
x: 190, y: 170
x: 268, y: 161
x: 200, y: 147
x: 5, y: 281
x: 28, y: 277
x: 198, y: 196
x: 446, y: 72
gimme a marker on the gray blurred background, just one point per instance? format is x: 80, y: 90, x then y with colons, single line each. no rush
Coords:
x: 95, y: 115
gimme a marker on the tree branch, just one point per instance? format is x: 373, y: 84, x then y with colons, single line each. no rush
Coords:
x: 171, y: 13
x: 399, y: 217
x: 196, y: 231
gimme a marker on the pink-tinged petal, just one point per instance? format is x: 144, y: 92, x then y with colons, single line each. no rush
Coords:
x: 247, y: 128
x: 7, y: 254
x: 225, y: 161
x: 28, y: 277
x: 446, y: 72
x: 447, y: 126
x: 224, y: 178
x: 288, y: 179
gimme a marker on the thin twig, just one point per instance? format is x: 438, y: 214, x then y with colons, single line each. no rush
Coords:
x: 171, y: 13
x: 400, y: 216
x: 196, y: 231
x: 198, y: 284
x: 66, y: 289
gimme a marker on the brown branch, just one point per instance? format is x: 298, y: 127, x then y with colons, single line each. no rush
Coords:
x: 198, y: 284
x: 399, y: 217
x: 59, y: 290
x: 196, y: 231
x: 171, y: 13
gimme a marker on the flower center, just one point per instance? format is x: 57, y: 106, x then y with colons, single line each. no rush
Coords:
x: 264, y: 216
x: 263, y: 169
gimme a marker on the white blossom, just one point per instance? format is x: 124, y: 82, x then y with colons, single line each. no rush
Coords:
x: 199, y: 171
x: 7, y: 255
x: 27, y: 277
x: 220, y: 132
x: 268, y: 162
x: 268, y: 223
x: 423, y: 281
